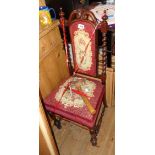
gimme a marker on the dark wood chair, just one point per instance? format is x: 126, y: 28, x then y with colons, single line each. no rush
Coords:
x: 81, y: 98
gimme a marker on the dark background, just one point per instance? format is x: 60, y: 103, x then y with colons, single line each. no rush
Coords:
x: 68, y: 6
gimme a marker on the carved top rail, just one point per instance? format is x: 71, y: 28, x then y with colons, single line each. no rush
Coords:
x: 84, y: 15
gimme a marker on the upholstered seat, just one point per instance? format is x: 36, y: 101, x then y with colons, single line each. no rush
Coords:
x: 81, y: 114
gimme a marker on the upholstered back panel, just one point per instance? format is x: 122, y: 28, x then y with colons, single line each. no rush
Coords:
x: 84, y: 47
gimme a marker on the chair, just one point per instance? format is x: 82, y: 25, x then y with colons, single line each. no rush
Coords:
x: 81, y: 98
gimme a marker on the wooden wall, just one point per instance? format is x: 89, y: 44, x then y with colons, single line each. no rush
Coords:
x: 42, y: 3
x: 52, y: 61
x: 110, y: 87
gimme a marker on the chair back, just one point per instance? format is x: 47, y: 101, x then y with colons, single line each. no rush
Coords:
x: 82, y: 28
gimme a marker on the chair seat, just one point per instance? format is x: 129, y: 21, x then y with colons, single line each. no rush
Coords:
x: 69, y: 105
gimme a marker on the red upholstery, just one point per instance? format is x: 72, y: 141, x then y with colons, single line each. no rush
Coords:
x: 79, y: 115
x: 82, y: 41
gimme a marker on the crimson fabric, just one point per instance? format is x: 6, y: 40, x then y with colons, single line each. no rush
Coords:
x: 79, y: 115
x: 90, y: 29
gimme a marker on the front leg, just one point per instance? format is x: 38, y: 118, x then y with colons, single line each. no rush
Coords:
x: 93, y: 134
x: 57, y: 120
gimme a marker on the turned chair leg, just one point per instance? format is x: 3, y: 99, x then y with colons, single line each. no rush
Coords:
x: 57, y: 122
x: 95, y: 130
x: 93, y: 134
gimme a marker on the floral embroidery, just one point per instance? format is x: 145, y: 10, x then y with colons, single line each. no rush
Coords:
x: 72, y: 99
x: 81, y: 40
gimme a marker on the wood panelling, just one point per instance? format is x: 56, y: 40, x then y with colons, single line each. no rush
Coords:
x: 47, y: 144
x: 52, y: 66
x: 49, y: 39
x: 42, y: 3
x: 52, y: 71
x: 110, y: 86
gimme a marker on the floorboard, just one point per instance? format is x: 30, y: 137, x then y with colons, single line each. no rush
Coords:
x: 74, y: 140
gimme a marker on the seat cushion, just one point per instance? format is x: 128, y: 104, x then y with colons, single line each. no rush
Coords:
x: 67, y: 102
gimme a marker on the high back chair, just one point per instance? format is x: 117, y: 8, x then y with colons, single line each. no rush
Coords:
x: 81, y: 98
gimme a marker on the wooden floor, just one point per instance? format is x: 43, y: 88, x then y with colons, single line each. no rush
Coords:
x: 73, y: 140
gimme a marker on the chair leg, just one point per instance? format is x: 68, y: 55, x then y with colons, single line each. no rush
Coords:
x: 95, y: 130
x: 93, y: 134
x: 57, y: 122
x: 100, y: 120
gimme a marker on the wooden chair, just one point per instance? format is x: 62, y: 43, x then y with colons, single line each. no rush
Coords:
x: 81, y: 98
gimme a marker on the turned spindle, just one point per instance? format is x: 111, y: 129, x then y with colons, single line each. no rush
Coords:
x: 68, y: 58
x: 104, y: 29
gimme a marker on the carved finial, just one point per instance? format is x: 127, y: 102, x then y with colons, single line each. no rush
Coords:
x: 62, y: 19
x: 104, y: 17
x: 61, y: 14
x: 104, y: 24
